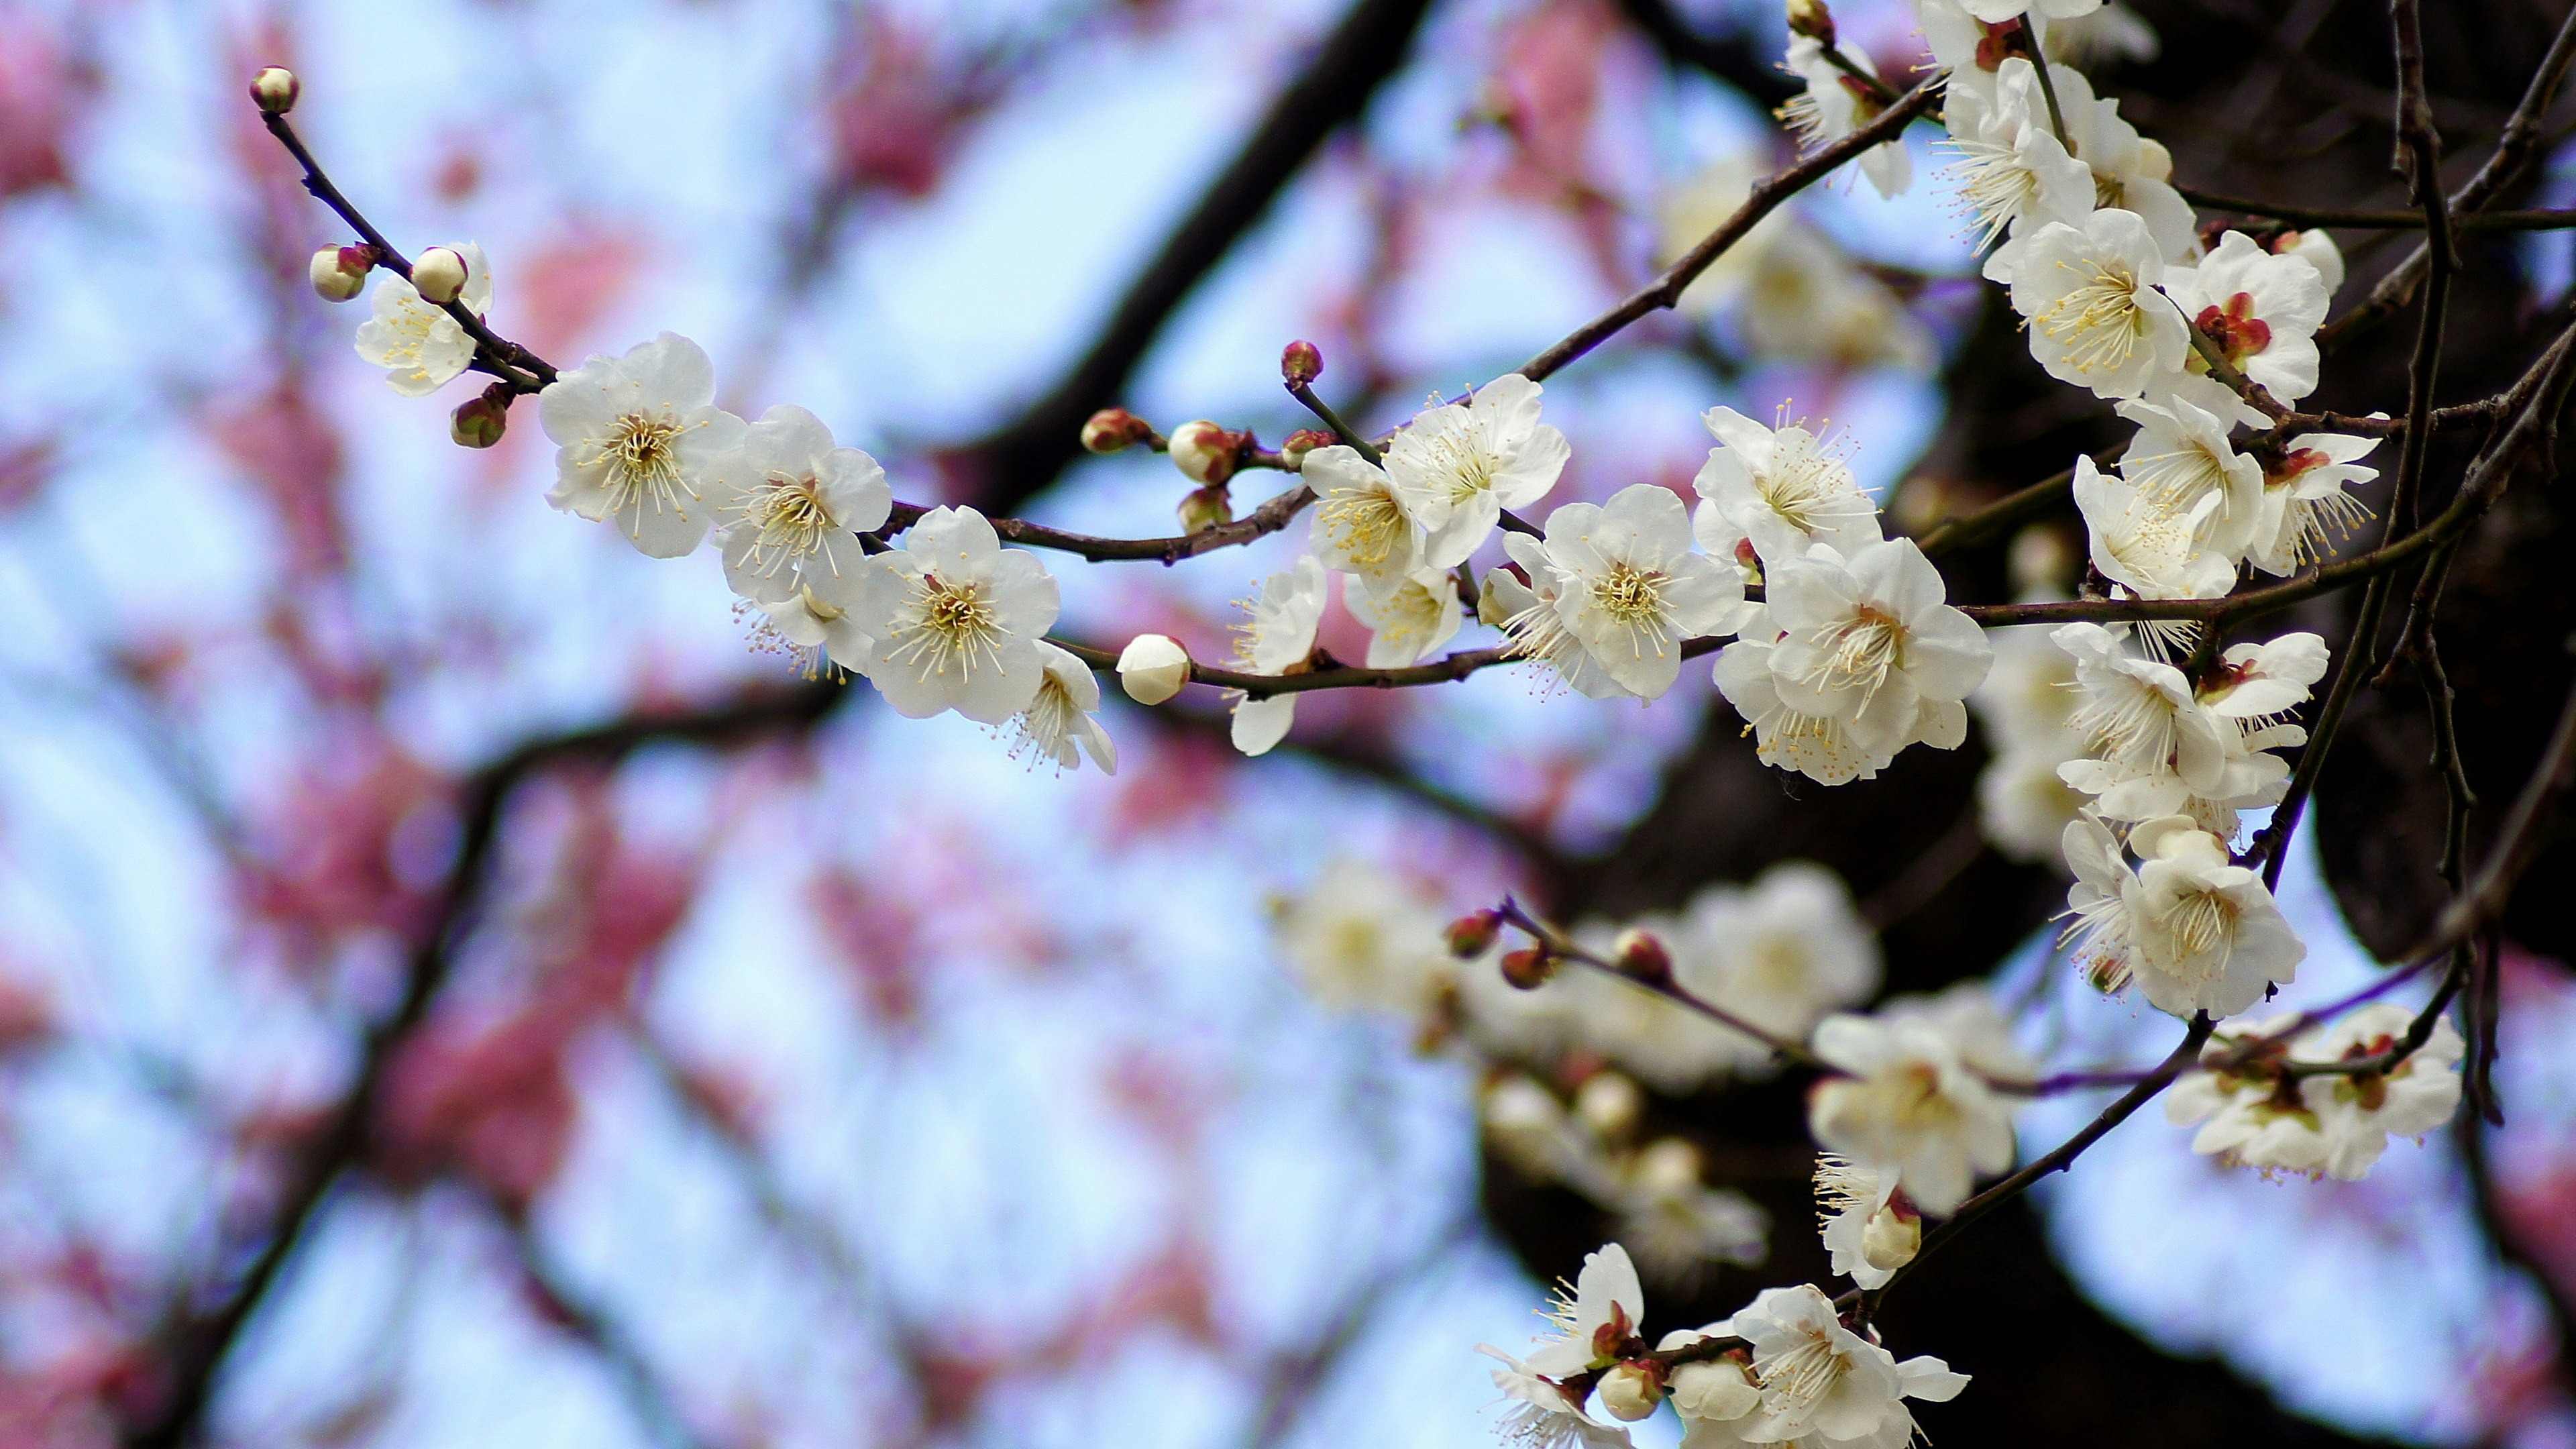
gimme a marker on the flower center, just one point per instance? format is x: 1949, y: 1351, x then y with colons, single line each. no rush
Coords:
x: 2099, y: 322
x: 949, y: 626
x: 1805, y: 486
x: 1363, y: 525
x: 1631, y: 595
x: 792, y: 518
x: 2202, y: 921
x: 2179, y: 478
x: 642, y: 456
x: 1803, y: 1376
x: 2239, y: 333
x: 1995, y: 187
x: 1860, y: 652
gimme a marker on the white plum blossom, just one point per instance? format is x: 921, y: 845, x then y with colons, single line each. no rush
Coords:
x: 1366, y: 524
x: 1544, y: 1415
x: 1834, y: 104
x: 1819, y: 746
x: 2317, y: 248
x: 2141, y: 722
x: 420, y: 347
x: 2096, y: 318
x: 1780, y: 952
x: 818, y: 628
x: 2335, y: 1124
x: 1870, y: 641
x: 790, y: 505
x: 1678, y: 1223
x: 1870, y: 1230
x: 1782, y: 488
x: 2130, y: 172
x: 2261, y: 681
x: 1059, y: 723
x: 1790, y: 293
x: 1914, y: 1095
x: 2096, y: 936
x: 2147, y: 546
x: 2114, y: 32
x: 1152, y: 668
x: 1408, y: 621
x: 638, y: 440
x: 2307, y: 502
x: 1363, y: 936
x: 1823, y: 1384
x: 2261, y: 308
x: 2026, y: 706
x: 1996, y: 12
x: 957, y: 620
x: 1468, y: 461
x: 1630, y: 591
x: 1276, y: 636
x: 1593, y: 1322
x: 1970, y: 49
x: 1527, y: 614
x: 2203, y: 932
x: 1716, y: 1398
x: 2013, y: 174
x: 2181, y: 455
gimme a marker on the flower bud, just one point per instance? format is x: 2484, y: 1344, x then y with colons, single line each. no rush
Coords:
x: 1631, y: 1391
x: 1112, y: 430
x: 439, y: 275
x: 1472, y: 935
x: 274, y: 90
x: 1525, y: 1125
x: 1204, y: 452
x: 1609, y: 1104
x: 1641, y: 954
x: 1668, y: 1168
x: 1713, y: 1389
x: 1205, y: 508
x: 1152, y: 668
x: 339, y: 272
x: 1528, y: 968
x: 1810, y: 18
x: 1303, y: 441
x: 1300, y: 363
x: 479, y: 422
x: 1892, y: 1237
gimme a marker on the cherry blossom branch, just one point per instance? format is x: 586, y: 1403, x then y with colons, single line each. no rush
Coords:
x: 1273, y: 515
x: 2537, y: 219
x: 1556, y: 945
x: 1665, y: 291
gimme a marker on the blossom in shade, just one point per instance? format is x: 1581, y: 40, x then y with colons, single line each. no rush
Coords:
x: 1716, y: 1398
x: 1276, y: 637
x: 2025, y: 707
x: 1408, y: 621
x: 1365, y: 524
x: 1870, y: 1230
x: 2130, y: 172
x: 2096, y: 936
x: 1782, y: 488
x: 420, y: 347
x: 957, y: 620
x: 1468, y: 461
x: 1629, y: 589
x: 791, y: 504
x: 2335, y: 1124
x: 639, y: 441
x: 1362, y: 936
x: 1913, y: 1097
x: 2204, y: 934
x: 2308, y: 505
x: 1061, y: 723
x: 1824, y: 1384
x: 1678, y: 1223
x: 2096, y: 318
x: 1836, y: 103
x: 1870, y: 641
x: 817, y: 628
x: 1545, y: 1415
x: 2261, y: 308
x: 1779, y: 952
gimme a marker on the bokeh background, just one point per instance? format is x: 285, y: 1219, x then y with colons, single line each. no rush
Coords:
x: 815, y: 1076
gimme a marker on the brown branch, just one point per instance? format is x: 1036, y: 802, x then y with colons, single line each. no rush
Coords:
x: 2542, y: 219
x: 1273, y: 515
x: 1560, y: 946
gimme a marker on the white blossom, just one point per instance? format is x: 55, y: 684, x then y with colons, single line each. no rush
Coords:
x: 1788, y: 291
x: 818, y: 628
x: 1544, y: 1415
x: 1060, y: 723
x: 1870, y: 1230
x: 2262, y: 309
x: 790, y: 505
x: 2317, y: 248
x: 2114, y: 32
x: 2149, y: 741
x: 2096, y: 936
x: 1276, y: 636
x: 1408, y: 621
x: 1914, y: 1098
x: 1819, y: 746
x: 2181, y: 455
x: 2096, y: 318
x: 2147, y: 546
x: 1527, y: 614
x: 2130, y: 172
x: 1780, y: 952
x: 1592, y: 1324
x: 1716, y: 1398
x: 1366, y: 524
x: 1834, y: 105
x: 1678, y: 1223
x: 639, y: 440
x: 1782, y: 488
x: 1361, y: 936
x: 1468, y: 461
x: 2027, y: 705
x: 2204, y: 934
x: 1152, y: 668
x: 1824, y: 1384
x: 2013, y: 173
x: 1996, y: 12
x: 2307, y: 502
x: 2331, y: 1124
x: 1870, y: 641
x: 420, y: 347
x: 1629, y: 590
x: 2260, y: 681
x: 957, y: 620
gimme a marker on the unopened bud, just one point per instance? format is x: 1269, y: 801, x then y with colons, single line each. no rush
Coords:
x: 1300, y: 363
x: 1205, y: 508
x: 1713, y: 1389
x: 1112, y: 430
x: 479, y: 422
x: 1609, y: 1103
x: 339, y: 272
x: 1528, y: 968
x: 1641, y: 954
x: 1472, y: 935
x: 1668, y: 1168
x: 1893, y: 1236
x: 1204, y: 452
x: 1152, y: 668
x: 1303, y: 441
x: 439, y: 275
x: 1810, y: 18
x: 1631, y: 1391
x: 274, y: 90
